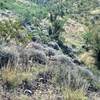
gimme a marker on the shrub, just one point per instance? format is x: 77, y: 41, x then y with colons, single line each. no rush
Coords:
x: 64, y: 75
x: 57, y: 28
x: 7, y: 59
x: 35, y: 45
x: 38, y: 57
x: 92, y: 38
x: 41, y: 33
x: 62, y: 59
x: 10, y: 29
x: 30, y: 56
x: 50, y: 51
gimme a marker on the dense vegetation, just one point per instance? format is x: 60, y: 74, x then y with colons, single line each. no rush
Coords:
x: 49, y: 49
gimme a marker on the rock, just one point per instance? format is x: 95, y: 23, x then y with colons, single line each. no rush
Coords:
x: 44, y: 77
x: 28, y: 92
x: 27, y: 86
x: 66, y: 49
x: 54, y: 45
x: 87, y: 48
x: 71, y: 55
x: 28, y: 26
x: 36, y: 39
x: 77, y: 61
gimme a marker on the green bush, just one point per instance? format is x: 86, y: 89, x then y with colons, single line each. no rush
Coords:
x: 88, y: 36
x: 92, y: 38
x: 57, y: 28
x: 10, y: 29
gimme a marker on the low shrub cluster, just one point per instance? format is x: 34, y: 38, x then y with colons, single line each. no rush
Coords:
x: 10, y: 29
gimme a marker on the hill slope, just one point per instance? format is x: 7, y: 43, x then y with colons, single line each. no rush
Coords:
x: 49, y: 50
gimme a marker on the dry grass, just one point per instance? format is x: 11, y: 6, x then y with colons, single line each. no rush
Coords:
x: 87, y: 59
x: 63, y: 76
x: 23, y: 97
x: 16, y: 75
x: 70, y: 94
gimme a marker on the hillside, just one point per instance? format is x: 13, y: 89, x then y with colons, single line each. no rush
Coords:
x: 49, y: 49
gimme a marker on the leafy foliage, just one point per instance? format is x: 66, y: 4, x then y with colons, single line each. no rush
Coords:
x: 92, y: 38
x: 24, y: 10
x: 9, y: 29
